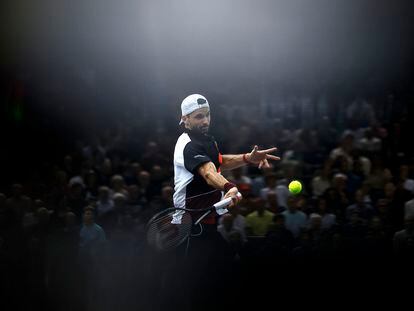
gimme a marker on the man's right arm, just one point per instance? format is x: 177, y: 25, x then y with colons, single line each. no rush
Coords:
x: 209, y: 172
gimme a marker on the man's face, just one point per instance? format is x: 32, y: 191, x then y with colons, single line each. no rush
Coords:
x: 88, y: 217
x: 198, y: 120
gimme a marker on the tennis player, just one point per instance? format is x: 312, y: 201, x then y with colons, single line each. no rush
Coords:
x: 199, y: 184
x: 198, y: 161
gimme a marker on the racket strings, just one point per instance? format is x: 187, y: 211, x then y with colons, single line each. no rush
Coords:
x: 163, y: 235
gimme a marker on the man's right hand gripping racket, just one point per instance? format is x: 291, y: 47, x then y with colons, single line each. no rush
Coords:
x: 171, y: 227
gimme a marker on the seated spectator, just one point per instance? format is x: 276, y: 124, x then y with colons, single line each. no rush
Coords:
x: 408, y: 183
x: 238, y: 224
x: 364, y: 210
x: 92, y: 236
x: 282, y: 191
x: 17, y: 205
x: 344, y: 149
x: 258, y: 222
x: 75, y: 199
x: 243, y: 183
x: 91, y: 186
x: 295, y: 220
x: 321, y: 181
x: 104, y: 204
x: 230, y: 233
x: 271, y: 203
x: 118, y: 185
x: 258, y: 183
x: 369, y: 144
x: 328, y: 220
x: 404, y: 240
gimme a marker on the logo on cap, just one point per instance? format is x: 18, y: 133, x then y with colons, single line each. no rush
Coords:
x: 201, y: 101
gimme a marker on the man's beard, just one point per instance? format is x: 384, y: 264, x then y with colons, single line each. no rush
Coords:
x: 204, y: 129
x: 201, y: 129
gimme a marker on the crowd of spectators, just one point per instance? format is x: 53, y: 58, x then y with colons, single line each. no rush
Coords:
x: 75, y: 238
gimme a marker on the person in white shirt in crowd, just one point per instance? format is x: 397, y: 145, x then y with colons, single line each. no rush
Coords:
x: 281, y: 191
x: 369, y: 143
x: 409, y: 208
x: 104, y: 204
x: 344, y: 149
x: 295, y: 220
x: 407, y: 182
x: 118, y: 185
x: 322, y: 180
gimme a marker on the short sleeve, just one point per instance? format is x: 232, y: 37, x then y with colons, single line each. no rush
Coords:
x: 194, y: 156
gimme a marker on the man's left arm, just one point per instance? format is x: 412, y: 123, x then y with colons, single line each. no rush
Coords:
x: 255, y: 157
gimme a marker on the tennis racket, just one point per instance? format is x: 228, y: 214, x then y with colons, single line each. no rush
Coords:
x: 169, y: 228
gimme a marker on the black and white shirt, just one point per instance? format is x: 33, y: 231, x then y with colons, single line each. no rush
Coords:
x: 191, y: 190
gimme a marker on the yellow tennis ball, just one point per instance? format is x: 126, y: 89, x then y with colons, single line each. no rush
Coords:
x: 295, y: 187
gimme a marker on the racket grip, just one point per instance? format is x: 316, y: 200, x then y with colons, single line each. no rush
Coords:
x: 225, y: 202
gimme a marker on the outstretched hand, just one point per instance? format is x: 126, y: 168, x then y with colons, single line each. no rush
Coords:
x: 261, y: 156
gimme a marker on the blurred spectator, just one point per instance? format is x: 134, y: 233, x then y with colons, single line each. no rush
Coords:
x: 91, y: 186
x: 152, y: 156
x: 105, y: 203
x: 271, y: 203
x: 337, y: 197
x: 404, y: 240
x: 105, y: 172
x: 295, y: 220
x: 369, y: 144
x: 322, y: 180
x: 404, y: 179
x: 344, y: 149
x: 17, y: 205
x: 377, y: 245
x: 92, y: 236
x: 282, y: 192
x: 363, y: 209
x: 258, y: 222
x: 230, y: 233
x: 259, y: 182
x: 328, y: 220
x: 75, y: 199
x: 409, y: 208
x: 145, y: 187
x: 118, y: 185
x: 239, y: 178
x: 235, y: 223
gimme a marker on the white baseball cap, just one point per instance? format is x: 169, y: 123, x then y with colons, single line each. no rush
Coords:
x: 193, y: 102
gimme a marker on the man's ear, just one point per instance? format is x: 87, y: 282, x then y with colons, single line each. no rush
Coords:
x: 184, y: 119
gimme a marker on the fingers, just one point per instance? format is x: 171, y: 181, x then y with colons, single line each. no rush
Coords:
x: 272, y: 157
x: 255, y: 149
x: 264, y: 163
x: 235, y: 200
x: 235, y: 196
x: 269, y: 150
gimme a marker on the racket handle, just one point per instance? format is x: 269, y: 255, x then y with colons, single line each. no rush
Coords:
x: 225, y: 202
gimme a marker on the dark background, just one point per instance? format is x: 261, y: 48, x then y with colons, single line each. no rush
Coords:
x: 74, y: 71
